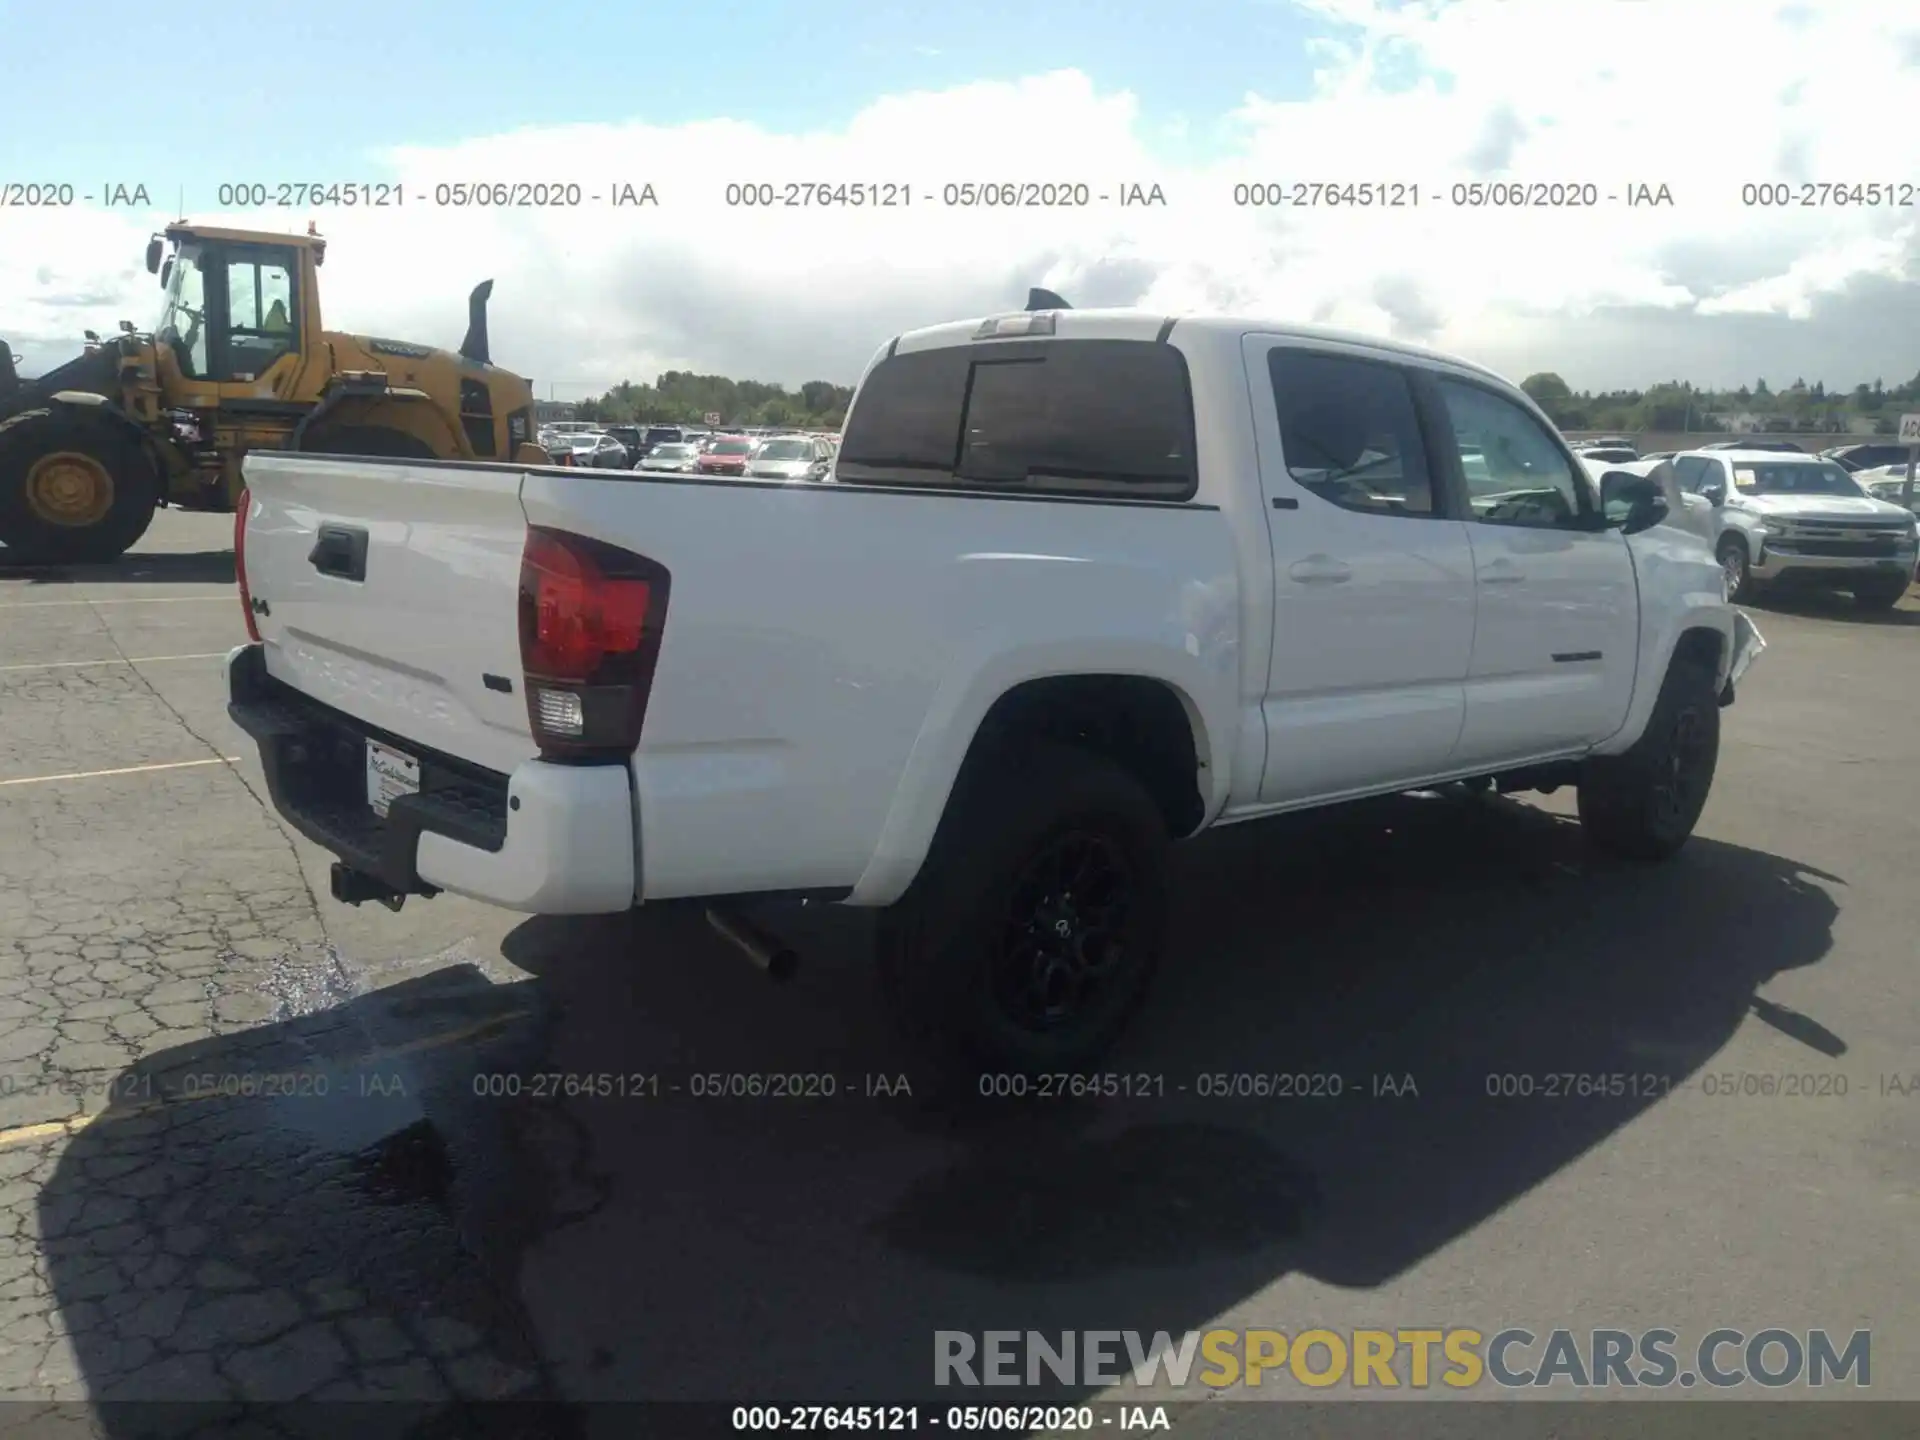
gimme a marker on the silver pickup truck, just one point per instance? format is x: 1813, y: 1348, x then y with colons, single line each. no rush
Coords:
x: 1801, y: 519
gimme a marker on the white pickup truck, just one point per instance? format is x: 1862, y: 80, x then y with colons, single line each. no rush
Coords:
x: 1085, y: 582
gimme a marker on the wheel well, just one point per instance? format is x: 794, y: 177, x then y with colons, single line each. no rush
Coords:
x: 1700, y: 646
x: 1733, y: 537
x: 366, y: 439
x: 1139, y: 724
x: 421, y: 420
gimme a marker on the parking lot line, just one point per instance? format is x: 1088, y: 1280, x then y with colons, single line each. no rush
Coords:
x: 123, y: 770
x: 128, y: 600
x: 24, y: 1134
x: 131, y: 660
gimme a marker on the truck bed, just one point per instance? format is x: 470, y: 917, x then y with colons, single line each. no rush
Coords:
x: 824, y: 644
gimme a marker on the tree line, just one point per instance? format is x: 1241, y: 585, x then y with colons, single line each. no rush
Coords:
x: 680, y: 397
x: 1678, y: 407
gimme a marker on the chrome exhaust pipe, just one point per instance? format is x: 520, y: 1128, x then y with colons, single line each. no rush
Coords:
x: 769, y: 953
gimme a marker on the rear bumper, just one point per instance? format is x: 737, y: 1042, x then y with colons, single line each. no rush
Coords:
x: 547, y: 839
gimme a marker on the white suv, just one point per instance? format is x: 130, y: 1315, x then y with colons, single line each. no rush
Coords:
x: 1801, y: 518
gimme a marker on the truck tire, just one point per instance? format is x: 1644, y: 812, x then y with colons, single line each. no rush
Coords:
x: 1733, y: 557
x: 1642, y: 805
x: 74, y: 490
x: 1032, y: 931
x: 1883, y: 596
x: 367, y: 440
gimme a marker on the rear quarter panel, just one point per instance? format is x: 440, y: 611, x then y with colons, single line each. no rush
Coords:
x: 829, y: 652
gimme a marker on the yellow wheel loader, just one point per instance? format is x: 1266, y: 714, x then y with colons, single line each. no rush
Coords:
x: 239, y: 361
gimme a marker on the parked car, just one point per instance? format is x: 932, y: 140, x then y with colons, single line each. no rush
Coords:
x: 662, y: 435
x: 1888, y: 482
x: 1801, y: 519
x: 1246, y: 575
x: 1866, y: 456
x: 1608, y: 454
x: 678, y: 459
x: 790, y: 457
x: 1694, y: 513
x: 1607, y: 442
x: 598, y: 450
x: 727, y: 455
x: 556, y: 435
x: 634, y: 438
x: 1779, y: 447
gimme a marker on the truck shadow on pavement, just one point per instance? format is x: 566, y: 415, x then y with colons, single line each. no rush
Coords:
x: 149, y: 567
x: 1434, y: 940
x: 655, y: 1235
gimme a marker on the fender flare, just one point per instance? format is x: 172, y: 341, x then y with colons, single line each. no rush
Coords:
x: 341, y: 392
x: 953, y: 722
x: 1702, y: 612
x: 97, y: 404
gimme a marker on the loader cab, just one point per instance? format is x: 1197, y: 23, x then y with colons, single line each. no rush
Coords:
x: 239, y: 315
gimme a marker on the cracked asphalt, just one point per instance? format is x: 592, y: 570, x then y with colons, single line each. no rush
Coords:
x: 258, y: 1145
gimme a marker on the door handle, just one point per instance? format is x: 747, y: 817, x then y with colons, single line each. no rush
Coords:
x: 1320, y: 569
x: 340, y: 551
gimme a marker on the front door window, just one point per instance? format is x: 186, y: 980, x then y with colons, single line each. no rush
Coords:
x: 183, y: 321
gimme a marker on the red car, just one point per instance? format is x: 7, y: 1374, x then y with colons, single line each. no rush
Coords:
x: 725, y: 456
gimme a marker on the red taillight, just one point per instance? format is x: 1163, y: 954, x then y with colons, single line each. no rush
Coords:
x: 580, y: 616
x: 241, y: 506
x: 590, y: 623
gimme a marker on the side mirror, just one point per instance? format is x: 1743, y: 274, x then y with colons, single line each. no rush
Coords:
x: 153, y: 255
x: 1715, y: 492
x: 1632, y: 503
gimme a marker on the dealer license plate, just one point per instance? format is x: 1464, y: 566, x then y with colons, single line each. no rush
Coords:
x: 390, y: 775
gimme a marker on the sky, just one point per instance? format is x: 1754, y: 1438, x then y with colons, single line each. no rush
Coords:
x: 1217, y: 103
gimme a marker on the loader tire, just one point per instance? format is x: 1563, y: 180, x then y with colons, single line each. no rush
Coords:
x: 74, y: 490
x: 375, y: 440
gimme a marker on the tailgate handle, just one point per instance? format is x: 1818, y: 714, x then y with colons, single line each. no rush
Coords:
x: 341, y: 551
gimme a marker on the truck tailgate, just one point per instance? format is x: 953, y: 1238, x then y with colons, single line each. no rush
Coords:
x: 389, y: 590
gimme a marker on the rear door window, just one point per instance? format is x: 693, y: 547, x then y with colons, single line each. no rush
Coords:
x: 1110, y: 418
x: 1350, y: 433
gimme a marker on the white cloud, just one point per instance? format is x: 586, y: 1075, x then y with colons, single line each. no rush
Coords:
x: 1699, y: 97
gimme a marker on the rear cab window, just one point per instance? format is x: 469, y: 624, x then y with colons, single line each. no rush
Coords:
x: 1109, y: 419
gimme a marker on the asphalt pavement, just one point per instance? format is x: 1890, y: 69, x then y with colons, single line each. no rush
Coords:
x: 256, y: 1144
